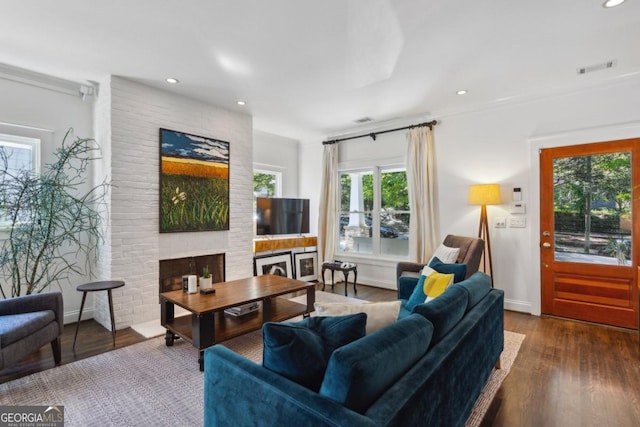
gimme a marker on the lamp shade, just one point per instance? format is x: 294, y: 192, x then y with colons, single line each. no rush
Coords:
x: 484, y: 194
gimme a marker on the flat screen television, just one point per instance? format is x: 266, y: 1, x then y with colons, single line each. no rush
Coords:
x: 281, y: 216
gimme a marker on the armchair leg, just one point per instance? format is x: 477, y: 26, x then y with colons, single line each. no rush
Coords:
x: 57, y: 350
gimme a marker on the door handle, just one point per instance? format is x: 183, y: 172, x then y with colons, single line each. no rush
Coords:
x: 546, y: 245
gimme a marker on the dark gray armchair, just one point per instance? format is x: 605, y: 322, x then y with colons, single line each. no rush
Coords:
x: 471, y: 249
x: 27, y: 323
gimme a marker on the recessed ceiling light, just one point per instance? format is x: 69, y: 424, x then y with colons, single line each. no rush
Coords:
x: 461, y: 92
x: 172, y: 80
x: 242, y: 103
x: 612, y: 3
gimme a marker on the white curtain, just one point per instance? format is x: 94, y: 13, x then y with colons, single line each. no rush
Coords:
x: 327, y: 219
x: 421, y: 180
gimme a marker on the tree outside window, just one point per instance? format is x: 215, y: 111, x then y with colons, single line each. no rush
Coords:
x: 374, y: 212
x: 267, y: 183
x: 21, y: 156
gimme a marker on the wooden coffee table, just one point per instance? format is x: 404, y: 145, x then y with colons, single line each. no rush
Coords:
x: 208, y: 325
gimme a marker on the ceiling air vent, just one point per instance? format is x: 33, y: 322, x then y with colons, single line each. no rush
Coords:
x: 363, y: 120
x: 597, y: 67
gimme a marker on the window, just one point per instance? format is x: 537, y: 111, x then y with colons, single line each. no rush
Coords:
x: 18, y: 154
x: 374, y: 212
x: 267, y: 183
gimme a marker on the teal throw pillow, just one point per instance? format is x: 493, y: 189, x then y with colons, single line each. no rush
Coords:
x: 300, y: 351
x: 459, y: 271
x: 418, y: 296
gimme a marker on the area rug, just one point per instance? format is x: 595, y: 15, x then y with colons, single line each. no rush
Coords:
x: 152, y: 384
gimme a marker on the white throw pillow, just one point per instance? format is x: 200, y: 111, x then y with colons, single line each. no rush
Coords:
x: 379, y: 314
x: 426, y: 271
x: 446, y: 254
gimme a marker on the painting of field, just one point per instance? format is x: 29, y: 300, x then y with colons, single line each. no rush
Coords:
x: 194, y: 183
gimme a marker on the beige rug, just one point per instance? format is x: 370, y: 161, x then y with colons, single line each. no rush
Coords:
x: 152, y: 384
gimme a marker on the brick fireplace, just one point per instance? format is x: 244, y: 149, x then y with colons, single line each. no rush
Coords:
x: 128, y: 118
x: 172, y: 270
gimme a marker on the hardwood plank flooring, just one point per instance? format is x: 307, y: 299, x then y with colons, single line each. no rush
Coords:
x: 566, y: 374
x: 569, y: 373
x: 93, y: 339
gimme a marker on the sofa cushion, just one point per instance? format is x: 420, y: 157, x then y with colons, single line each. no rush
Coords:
x: 379, y: 314
x: 445, y: 311
x: 300, y: 350
x: 360, y: 372
x: 14, y: 327
x: 458, y: 270
x: 477, y: 286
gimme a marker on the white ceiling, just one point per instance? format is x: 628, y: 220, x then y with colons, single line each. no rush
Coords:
x: 308, y: 69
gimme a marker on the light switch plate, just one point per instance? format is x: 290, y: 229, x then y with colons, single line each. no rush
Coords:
x: 518, y: 222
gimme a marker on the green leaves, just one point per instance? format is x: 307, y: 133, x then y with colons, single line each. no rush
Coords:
x: 54, y: 224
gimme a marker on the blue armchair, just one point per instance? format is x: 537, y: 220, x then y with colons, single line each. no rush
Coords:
x: 29, y: 322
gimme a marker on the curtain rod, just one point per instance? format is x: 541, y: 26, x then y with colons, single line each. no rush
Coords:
x: 374, y: 134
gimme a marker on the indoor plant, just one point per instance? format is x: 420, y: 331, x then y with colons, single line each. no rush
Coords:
x: 205, y: 280
x: 54, y: 224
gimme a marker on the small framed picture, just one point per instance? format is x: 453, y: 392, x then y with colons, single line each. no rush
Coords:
x: 306, y: 264
x: 278, y: 264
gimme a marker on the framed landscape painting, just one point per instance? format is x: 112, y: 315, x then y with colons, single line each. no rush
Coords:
x: 278, y: 264
x: 194, y: 182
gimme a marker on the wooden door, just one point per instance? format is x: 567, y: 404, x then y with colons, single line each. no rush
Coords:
x: 589, y: 225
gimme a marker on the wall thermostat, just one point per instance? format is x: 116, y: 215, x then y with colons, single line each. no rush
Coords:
x: 517, y: 194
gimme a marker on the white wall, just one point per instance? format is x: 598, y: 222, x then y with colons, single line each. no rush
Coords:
x: 31, y: 110
x: 499, y: 145
x: 135, y: 113
x: 280, y: 154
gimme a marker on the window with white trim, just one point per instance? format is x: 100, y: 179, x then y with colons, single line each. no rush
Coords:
x: 18, y: 155
x: 267, y: 183
x: 374, y: 212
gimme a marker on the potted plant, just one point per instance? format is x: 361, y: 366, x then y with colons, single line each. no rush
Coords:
x: 205, y: 280
x: 53, y: 224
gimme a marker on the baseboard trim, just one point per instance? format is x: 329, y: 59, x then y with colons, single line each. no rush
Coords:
x: 72, y: 316
x: 514, y: 305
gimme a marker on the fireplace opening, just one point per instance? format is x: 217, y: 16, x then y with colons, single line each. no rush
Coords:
x: 172, y: 270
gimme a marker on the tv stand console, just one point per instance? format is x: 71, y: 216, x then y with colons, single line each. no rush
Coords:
x: 275, y: 244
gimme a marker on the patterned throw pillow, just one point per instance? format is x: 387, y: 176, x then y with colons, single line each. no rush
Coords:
x: 446, y: 254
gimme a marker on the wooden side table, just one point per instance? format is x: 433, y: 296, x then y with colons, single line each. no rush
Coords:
x: 108, y: 286
x: 345, y: 268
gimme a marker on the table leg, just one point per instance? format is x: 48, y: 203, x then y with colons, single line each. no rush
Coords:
x: 113, y: 322
x: 355, y: 279
x: 84, y: 296
x: 333, y: 279
x: 323, y: 281
x: 346, y: 281
x: 203, y: 331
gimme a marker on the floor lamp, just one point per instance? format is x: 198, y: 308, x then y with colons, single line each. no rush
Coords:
x: 483, y: 195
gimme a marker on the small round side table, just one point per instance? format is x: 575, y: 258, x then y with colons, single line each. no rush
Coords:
x: 107, y: 285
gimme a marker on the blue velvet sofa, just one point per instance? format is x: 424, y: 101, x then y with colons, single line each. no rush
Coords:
x: 428, y: 368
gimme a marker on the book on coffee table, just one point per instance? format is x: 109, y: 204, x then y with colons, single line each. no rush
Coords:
x: 241, y: 310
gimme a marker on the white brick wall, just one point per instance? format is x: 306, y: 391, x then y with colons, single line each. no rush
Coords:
x: 130, y: 114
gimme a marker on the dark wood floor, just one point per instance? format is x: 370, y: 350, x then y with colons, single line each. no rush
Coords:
x: 566, y: 374
x: 93, y: 339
